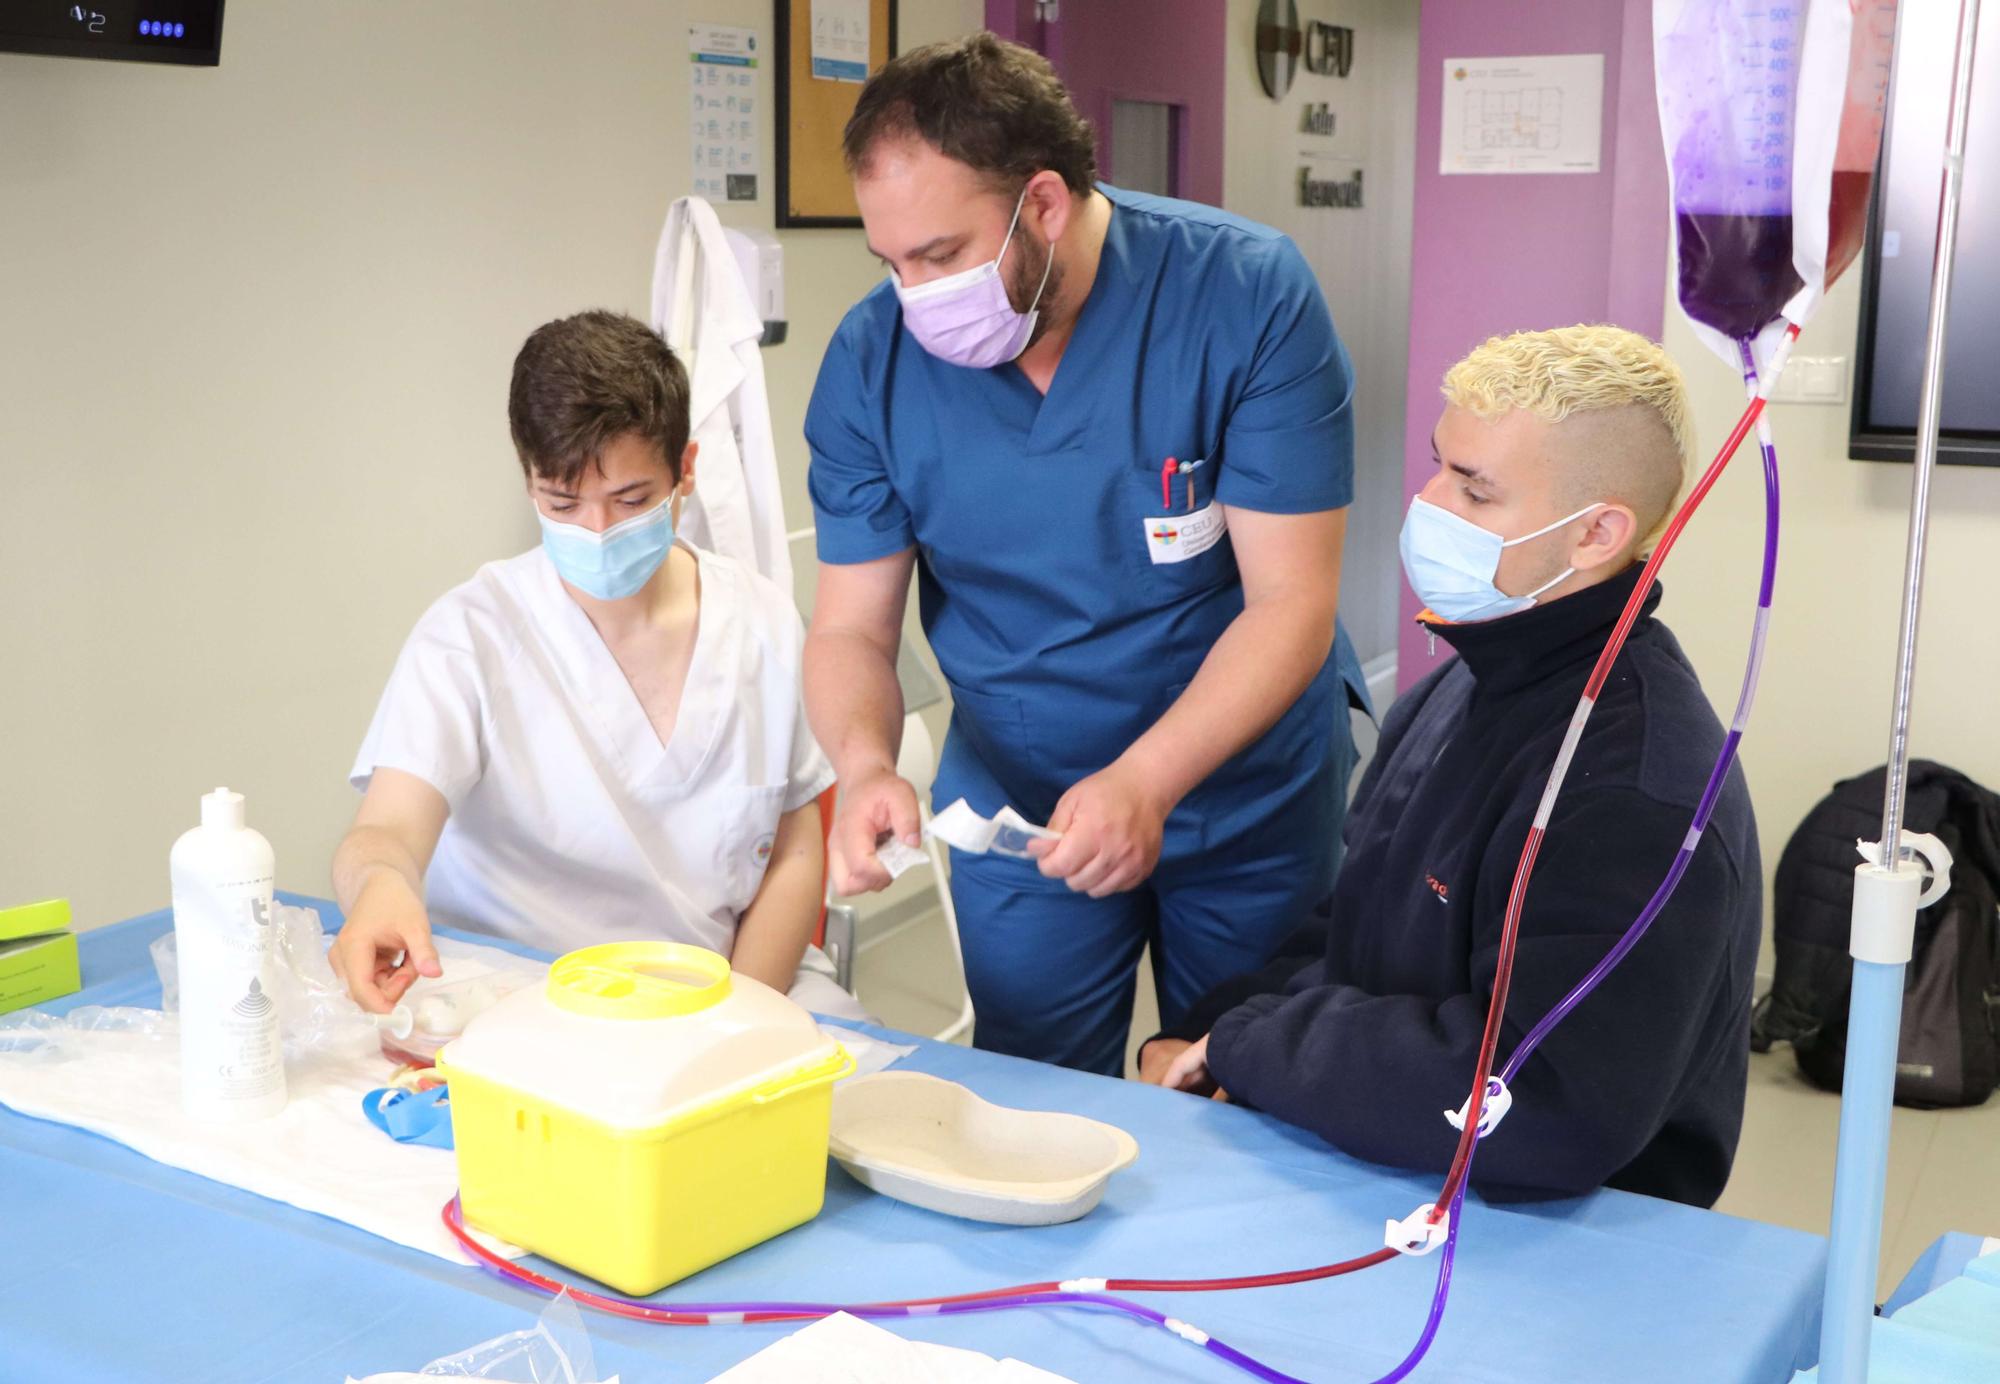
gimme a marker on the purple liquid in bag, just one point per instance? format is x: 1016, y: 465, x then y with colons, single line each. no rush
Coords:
x: 1727, y: 72
x: 1735, y: 271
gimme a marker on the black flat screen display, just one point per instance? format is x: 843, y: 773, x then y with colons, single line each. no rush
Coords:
x: 175, y: 31
x: 1896, y: 262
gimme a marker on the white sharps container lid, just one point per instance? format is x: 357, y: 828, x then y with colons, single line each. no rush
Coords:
x: 633, y: 1034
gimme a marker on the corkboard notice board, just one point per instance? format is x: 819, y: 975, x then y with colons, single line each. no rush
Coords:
x: 813, y: 186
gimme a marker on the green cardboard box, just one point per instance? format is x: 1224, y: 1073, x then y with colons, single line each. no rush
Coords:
x: 37, y: 955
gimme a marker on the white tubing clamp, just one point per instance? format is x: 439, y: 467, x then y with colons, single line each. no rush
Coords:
x: 1416, y: 1234
x: 1499, y: 1100
x: 1886, y: 898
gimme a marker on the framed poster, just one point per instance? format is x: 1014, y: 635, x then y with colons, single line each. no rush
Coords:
x: 825, y: 50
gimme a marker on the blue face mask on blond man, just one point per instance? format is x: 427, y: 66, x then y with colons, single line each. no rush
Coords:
x: 1451, y: 563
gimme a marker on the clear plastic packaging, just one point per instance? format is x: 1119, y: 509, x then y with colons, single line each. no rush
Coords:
x: 438, y: 1012
x: 314, y: 1011
x: 556, y: 1351
x: 89, y: 1027
x: 318, y: 1016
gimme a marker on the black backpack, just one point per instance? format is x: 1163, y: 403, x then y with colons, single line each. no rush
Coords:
x: 1949, y: 1049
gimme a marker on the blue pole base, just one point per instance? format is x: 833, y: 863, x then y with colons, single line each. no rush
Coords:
x: 1868, y: 1090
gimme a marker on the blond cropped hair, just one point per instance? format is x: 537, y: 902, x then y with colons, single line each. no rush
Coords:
x: 1628, y: 435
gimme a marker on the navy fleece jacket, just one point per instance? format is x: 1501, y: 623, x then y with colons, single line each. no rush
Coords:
x: 1366, y: 1025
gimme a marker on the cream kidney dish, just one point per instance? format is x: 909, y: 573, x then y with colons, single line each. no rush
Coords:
x: 935, y: 1144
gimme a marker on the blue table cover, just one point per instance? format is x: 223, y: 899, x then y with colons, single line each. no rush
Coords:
x: 1942, y: 1324
x: 114, y: 1268
x: 1945, y: 1259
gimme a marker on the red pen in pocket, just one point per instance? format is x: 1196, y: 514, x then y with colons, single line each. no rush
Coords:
x: 1167, y: 484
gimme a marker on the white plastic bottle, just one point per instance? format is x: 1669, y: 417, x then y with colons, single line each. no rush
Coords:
x: 232, y: 1053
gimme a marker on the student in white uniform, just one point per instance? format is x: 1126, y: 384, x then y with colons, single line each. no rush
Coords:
x: 600, y: 739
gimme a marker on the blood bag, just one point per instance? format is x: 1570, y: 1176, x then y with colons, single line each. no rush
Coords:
x: 1843, y: 84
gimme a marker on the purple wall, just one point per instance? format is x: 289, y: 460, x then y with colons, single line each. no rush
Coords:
x: 1499, y: 253
x: 1014, y: 20
x: 1171, y: 51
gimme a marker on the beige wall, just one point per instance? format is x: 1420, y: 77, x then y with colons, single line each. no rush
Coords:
x: 1823, y: 702
x: 1361, y: 255
x: 255, y: 334
x: 256, y: 329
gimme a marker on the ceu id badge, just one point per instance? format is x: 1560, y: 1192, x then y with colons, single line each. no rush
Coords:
x: 1176, y: 537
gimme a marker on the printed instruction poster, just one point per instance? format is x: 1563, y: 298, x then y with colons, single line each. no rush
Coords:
x: 724, y: 128
x: 1523, y: 115
x: 840, y: 40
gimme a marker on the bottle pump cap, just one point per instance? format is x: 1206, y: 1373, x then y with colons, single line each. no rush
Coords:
x: 222, y: 809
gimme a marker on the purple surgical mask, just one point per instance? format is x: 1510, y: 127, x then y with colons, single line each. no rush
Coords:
x: 967, y: 318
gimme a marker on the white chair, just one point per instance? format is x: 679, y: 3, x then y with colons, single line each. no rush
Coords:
x: 916, y: 762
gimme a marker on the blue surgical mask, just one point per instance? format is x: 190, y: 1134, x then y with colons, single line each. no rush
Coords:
x: 1451, y: 563
x: 616, y: 563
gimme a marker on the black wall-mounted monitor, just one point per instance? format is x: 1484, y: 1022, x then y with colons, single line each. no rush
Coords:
x: 1896, y: 262
x: 177, y: 31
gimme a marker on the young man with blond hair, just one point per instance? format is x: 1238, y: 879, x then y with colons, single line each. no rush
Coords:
x: 1559, y: 453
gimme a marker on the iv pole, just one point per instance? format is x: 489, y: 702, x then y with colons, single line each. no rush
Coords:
x: 1887, y: 892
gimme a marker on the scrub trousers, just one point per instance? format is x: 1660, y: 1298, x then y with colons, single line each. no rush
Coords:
x: 1052, y: 973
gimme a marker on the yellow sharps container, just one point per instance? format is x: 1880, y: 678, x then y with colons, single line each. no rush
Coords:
x: 643, y: 1115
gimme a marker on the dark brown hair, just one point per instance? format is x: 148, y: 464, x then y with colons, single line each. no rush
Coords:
x: 582, y: 382
x: 997, y: 107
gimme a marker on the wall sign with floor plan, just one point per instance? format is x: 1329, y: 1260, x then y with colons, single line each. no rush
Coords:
x: 1523, y: 115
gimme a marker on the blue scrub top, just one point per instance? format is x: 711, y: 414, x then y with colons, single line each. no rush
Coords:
x: 1204, y: 337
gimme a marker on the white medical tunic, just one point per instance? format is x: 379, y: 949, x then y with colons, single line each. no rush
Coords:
x: 571, y: 823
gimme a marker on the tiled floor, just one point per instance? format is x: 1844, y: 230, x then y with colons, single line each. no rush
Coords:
x: 1944, y: 1165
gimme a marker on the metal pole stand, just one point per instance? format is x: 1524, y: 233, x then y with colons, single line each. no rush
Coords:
x: 1889, y: 889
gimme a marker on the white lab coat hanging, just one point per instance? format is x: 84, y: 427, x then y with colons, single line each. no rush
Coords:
x: 703, y: 309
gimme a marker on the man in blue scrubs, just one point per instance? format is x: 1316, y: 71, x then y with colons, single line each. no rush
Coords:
x: 1111, y: 435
